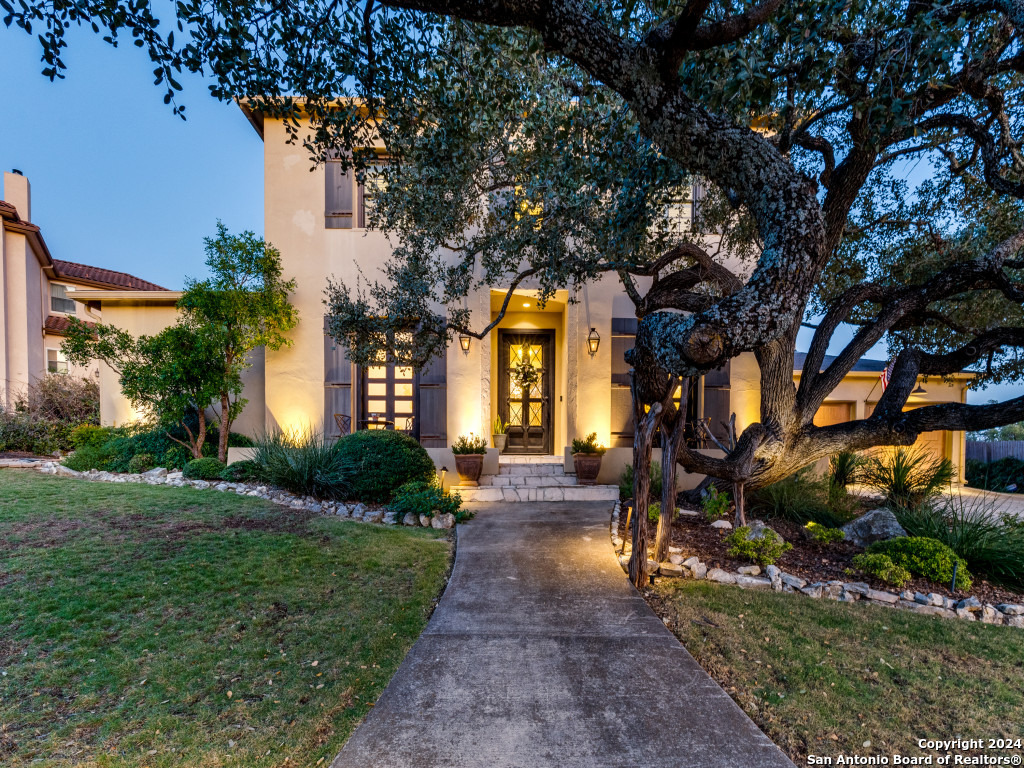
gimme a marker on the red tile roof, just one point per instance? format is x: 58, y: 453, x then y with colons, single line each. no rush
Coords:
x: 58, y: 325
x: 106, y: 277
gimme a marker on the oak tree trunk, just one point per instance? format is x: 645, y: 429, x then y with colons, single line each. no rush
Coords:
x: 646, y: 426
x: 672, y: 431
x: 741, y: 512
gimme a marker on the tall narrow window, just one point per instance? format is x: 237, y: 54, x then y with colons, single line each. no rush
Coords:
x: 370, y: 189
x: 679, y: 212
x: 56, y: 362
x: 59, y: 301
x: 338, y: 196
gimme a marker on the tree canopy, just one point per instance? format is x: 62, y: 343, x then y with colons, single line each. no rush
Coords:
x: 542, y: 140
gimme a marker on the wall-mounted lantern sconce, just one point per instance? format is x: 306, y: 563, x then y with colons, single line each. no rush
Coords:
x: 920, y: 391
x: 593, y: 341
x: 464, y: 342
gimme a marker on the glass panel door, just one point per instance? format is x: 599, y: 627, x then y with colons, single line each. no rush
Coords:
x: 524, y: 389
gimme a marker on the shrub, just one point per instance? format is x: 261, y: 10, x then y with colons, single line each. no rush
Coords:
x: 882, y: 568
x: 20, y: 431
x: 825, y: 535
x: 87, y: 457
x: 654, y: 511
x: 63, y: 398
x: 996, y: 475
x: 466, y: 444
x: 763, y: 550
x: 588, y: 444
x: 204, y: 469
x: 802, y: 498
x: 307, y: 463
x: 379, y: 461
x: 141, y: 462
x: 925, y: 557
x: 626, y: 482
x: 91, y: 435
x: 908, y: 476
x: 241, y: 471
x: 714, y: 504
x: 992, y: 544
x: 426, y: 497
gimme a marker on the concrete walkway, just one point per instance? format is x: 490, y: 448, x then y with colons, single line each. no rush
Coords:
x: 528, y: 663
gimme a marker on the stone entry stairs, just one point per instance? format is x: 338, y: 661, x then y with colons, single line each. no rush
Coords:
x: 534, y: 478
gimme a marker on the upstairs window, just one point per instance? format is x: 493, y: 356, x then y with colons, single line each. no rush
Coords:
x: 349, y: 202
x: 59, y: 301
x: 679, y: 212
x: 56, y: 362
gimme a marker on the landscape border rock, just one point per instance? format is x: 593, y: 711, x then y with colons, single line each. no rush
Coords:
x: 969, y: 608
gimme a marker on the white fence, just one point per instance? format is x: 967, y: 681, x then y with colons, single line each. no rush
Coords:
x: 999, y: 449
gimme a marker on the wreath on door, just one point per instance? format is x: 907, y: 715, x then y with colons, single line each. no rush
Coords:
x: 525, y: 375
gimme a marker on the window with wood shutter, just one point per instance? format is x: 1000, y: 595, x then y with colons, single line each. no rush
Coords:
x: 338, y: 395
x: 339, y: 194
x: 432, y: 403
x: 718, y: 401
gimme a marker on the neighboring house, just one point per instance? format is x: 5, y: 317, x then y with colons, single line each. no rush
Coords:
x: 37, y: 296
x: 317, y: 220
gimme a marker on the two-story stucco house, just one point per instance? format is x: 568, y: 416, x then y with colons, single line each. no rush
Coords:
x: 37, y: 295
x: 317, y: 222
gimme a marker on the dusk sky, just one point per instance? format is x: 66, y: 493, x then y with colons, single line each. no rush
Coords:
x: 120, y: 182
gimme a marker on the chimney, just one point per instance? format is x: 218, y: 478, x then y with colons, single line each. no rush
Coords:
x: 18, y: 192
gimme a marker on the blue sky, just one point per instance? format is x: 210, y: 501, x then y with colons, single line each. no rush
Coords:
x: 117, y: 180
x: 120, y: 182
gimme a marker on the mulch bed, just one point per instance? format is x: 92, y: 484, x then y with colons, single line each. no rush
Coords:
x: 808, y: 559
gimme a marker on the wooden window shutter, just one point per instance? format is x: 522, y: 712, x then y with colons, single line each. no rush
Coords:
x: 718, y: 401
x: 338, y: 378
x: 623, y: 338
x: 338, y: 196
x: 432, y: 405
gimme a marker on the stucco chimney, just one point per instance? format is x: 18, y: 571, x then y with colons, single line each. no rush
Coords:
x: 18, y: 192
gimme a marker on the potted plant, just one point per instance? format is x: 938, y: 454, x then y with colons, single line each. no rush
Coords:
x: 586, y: 455
x: 469, y: 458
x: 498, y: 435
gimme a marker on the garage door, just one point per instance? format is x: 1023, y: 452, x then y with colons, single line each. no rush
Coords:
x: 937, y: 443
x: 833, y: 413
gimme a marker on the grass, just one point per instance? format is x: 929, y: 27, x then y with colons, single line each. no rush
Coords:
x: 823, y: 678
x: 150, y: 626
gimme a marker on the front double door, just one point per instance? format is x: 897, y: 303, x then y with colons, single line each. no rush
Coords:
x: 525, y: 384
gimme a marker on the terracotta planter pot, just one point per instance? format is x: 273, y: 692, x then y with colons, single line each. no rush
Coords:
x: 469, y: 466
x: 499, y: 441
x: 588, y: 466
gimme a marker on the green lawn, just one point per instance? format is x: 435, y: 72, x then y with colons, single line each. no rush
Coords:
x: 152, y: 626
x: 822, y: 677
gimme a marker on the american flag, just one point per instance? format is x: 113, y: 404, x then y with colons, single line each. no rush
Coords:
x: 887, y: 374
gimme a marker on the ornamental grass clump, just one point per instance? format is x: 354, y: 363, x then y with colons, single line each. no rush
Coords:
x: 306, y: 463
x: 928, y: 558
x: 908, y: 477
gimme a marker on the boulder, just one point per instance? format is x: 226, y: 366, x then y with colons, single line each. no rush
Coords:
x: 691, y: 561
x: 722, y: 577
x: 750, y: 570
x: 358, y: 511
x: 410, y: 519
x: 877, y: 525
x: 425, y: 521
x: 752, y: 582
x: 675, y: 559
x: 443, y: 521
x: 790, y: 580
x: 881, y: 596
x: 155, y: 473
x: 812, y: 590
x: 723, y: 524
x: 1011, y: 609
x: 1014, y: 621
x: 989, y: 615
x: 699, y: 570
x: 969, y: 604
x: 758, y: 530
x: 671, y: 569
x: 373, y: 515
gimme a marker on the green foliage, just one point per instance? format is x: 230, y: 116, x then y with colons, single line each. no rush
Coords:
x: 87, y: 457
x: 498, y: 426
x: 844, y: 469
x: 763, y: 550
x: 207, y: 468
x: 823, y: 534
x: 469, y: 444
x: 881, y: 567
x: 379, y: 461
x: 241, y: 471
x: 996, y: 475
x: 802, y: 498
x: 654, y: 511
x: 426, y: 497
x: 626, y: 482
x: 306, y: 463
x: 1006, y: 432
x: 908, y: 476
x: 141, y: 462
x: 91, y: 435
x: 23, y: 432
x: 991, y: 543
x: 925, y: 557
x: 588, y: 444
x: 715, y: 504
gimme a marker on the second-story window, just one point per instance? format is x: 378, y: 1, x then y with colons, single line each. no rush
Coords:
x: 348, y: 201
x: 59, y: 301
x: 679, y: 212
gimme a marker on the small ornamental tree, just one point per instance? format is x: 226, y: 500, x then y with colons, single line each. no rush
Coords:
x: 173, y: 376
x: 244, y: 305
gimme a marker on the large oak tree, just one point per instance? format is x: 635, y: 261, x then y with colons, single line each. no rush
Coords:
x: 800, y: 118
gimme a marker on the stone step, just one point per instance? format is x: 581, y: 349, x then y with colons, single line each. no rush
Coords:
x: 512, y: 458
x: 539, y: 493
x: 520, y: 470
x: 504, y: 481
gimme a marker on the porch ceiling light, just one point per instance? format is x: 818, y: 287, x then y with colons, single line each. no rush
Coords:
x: 920, y: 391
x: 593, y: 341
x: 464, y: 342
